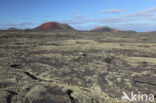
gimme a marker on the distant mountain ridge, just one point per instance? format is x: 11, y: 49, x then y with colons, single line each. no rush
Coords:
x: 54, y: 26
x: 12, y: 28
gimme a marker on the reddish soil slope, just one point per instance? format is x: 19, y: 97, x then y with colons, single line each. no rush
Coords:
x: 107, y: 29
x: 54, y: 26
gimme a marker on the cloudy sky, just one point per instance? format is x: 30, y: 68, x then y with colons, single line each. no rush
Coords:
x: 139, y: 15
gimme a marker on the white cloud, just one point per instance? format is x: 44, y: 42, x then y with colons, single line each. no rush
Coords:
x: 47, y: 16
x: 109, y: 0
x: 109, y: 20
x: 143, y: 13
x: 79, y: 16
x: 16, y: 24
x: 111, y: 11
x: 141, y: 27
x: 74, y: 22
x: 20, y: 24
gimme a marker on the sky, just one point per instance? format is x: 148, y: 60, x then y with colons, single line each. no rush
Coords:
x: 138, y: 15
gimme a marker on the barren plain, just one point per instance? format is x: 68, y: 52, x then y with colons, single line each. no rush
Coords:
x: 75, y: 67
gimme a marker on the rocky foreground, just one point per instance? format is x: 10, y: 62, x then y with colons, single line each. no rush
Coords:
x: 76, y: 67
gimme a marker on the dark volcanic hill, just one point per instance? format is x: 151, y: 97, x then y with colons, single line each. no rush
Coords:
x: 12, y: 28
x: 54, y: 26
x: 107, y: 29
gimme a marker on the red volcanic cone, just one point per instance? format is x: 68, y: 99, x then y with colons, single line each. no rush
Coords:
x: 54, y: 26
x: 107, y: 29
